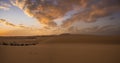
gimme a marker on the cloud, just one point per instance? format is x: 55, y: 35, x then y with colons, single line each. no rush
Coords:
x: 106, y: 29
x: 4, y: 8
x: 5, y: 22
x: 22, y: 30
x: 4, y: 5
x: 46, y: 11
x: 94, y: 11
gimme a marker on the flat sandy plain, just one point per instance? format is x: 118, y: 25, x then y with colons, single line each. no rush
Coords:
x: 60, y: 49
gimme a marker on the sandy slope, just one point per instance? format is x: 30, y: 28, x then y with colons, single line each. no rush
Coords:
x: 65, y: 49
x: 61, y: 53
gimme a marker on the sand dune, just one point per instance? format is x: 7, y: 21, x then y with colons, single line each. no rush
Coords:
x: 64, y: 38
x: 61, y: 49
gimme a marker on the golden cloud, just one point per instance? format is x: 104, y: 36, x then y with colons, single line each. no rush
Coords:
x: 46, y: 11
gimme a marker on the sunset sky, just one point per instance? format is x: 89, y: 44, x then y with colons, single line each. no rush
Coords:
x: 46, y: 17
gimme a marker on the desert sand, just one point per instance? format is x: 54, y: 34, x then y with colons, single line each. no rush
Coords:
x: 61, y: 49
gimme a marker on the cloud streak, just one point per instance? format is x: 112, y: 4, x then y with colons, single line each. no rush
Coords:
x: 4, y: 5
x: 5, y: 22
x: 102, y: 30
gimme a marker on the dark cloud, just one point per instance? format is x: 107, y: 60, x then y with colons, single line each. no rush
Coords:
x: 99, y: 9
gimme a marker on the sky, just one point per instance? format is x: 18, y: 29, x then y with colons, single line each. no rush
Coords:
x: 49, y: 17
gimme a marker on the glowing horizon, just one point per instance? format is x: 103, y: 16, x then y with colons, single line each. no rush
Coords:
x: 47, y: 17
